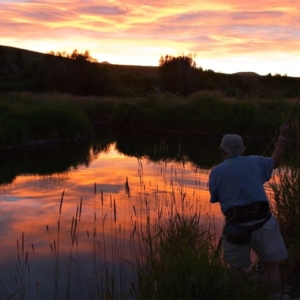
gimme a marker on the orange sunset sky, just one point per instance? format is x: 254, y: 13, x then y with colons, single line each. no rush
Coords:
x: 227, y: 36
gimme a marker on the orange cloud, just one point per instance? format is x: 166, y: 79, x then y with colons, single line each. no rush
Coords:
x: 227, y: 36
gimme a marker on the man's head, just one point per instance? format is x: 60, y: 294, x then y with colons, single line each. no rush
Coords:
x: 233, y: 145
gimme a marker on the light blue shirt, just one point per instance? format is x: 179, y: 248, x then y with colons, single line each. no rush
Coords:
x: 239, y: 180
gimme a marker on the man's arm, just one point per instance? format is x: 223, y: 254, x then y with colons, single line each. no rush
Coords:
x: 279, y: 148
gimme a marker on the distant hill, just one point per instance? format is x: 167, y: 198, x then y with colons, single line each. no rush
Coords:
x: 246, y: 74
x: 22, y: 69
x: 26, y: 70
x: 30, y: 56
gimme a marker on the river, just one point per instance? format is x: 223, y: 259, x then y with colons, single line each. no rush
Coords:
x: 69, y: 213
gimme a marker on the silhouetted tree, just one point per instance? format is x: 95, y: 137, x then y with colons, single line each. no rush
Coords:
x: 85, y: 56
x: 177, y: 73
x: 82, y: 56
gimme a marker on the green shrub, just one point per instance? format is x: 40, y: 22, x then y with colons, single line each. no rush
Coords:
x: 182, y: 263
x: 286, y: 194
x: 47, y: 121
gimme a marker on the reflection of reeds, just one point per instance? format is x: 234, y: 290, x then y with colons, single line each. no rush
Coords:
x: 127, y: 188
x: 56, y: 295
x: 22, y: 268
x: 74, y: 238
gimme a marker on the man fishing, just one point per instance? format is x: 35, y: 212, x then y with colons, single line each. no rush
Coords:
x: 238, y: 185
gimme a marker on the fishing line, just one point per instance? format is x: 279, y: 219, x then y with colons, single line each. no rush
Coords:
x: 285, y: 120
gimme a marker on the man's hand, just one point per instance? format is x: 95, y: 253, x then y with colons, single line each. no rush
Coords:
x: 284, y: 130
x: 279, y: 148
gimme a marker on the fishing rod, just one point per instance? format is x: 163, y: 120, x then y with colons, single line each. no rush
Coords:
x: 286, y: 119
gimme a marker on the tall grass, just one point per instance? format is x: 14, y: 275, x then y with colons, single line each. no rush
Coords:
x: 177, y: 258
x: 286, y: 193
x: 180, y: 262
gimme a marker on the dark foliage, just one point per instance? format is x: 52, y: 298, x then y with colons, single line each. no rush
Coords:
x: 177, y: 74
x: 80, y: 74
x: 75, y: 55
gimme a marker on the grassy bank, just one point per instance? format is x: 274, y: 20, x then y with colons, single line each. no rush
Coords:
x: 27, y: 117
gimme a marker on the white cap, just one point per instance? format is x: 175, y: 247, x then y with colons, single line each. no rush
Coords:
x: 232, y: 144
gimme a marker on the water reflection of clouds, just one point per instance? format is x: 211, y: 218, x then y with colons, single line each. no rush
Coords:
x: 11, y: 198
x: 31, y: 204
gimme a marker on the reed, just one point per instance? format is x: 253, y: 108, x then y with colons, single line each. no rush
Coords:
x: 178, y: 259
x: 286, y: 193
x: 175, y: 247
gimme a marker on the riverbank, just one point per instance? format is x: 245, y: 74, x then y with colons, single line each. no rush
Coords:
x: 30, y: 119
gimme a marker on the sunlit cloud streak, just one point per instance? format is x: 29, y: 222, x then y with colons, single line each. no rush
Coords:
x: 226, y: 36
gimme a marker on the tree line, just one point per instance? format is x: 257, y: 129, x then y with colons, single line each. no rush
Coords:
x: 81, y: 74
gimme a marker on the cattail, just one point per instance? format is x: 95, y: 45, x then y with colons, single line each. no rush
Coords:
x: 115, y: 211
x: 74, y: 232
x: 134, y: 210
x: 80, y: 208
x: 102, y: 197
x: 61, y: 201
x: 22, y: 242
x: 134, y: 229
x: 127, y: 189
x: 72, y: 226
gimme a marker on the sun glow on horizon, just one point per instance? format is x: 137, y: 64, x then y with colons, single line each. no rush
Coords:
x: 226, y: 37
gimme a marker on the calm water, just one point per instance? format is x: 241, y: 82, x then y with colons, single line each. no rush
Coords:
x: 65, y: 211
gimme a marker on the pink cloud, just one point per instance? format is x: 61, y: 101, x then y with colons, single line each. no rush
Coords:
x: 217, y: 27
